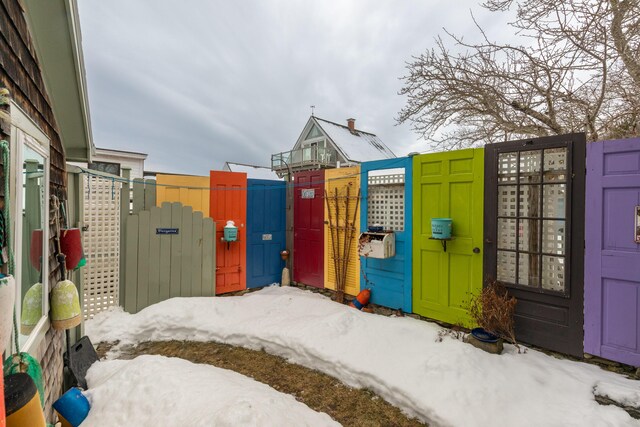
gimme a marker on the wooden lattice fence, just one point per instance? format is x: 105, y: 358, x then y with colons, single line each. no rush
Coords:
x: 100, y: 224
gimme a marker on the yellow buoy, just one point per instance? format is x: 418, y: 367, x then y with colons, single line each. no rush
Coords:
x: 22, y: 402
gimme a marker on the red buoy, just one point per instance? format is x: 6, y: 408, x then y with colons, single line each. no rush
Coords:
x: 71, y: 246
x: 361, y: 300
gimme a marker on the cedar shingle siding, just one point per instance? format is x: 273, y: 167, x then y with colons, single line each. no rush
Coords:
x: 20, y: 73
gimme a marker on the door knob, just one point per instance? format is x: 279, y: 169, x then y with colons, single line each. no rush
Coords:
x: 476, y: 250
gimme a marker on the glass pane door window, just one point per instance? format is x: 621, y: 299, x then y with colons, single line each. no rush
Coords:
x: 31, y: 237
x: 532, y: 219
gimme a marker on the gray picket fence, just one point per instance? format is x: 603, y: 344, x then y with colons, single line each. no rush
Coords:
x: 168, y: 251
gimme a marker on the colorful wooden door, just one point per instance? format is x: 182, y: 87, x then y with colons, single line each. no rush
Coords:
x: 266, y: 209
x: 387, y: 200
x: 308, y: 228
x: 341, y: 239
x: 187, y: 189
x: 612, y: 270
x: 534, y: 229
x: 446, y: 273
x: 229, y: 202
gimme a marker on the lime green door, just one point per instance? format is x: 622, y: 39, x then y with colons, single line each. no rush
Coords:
x: 447, y: 185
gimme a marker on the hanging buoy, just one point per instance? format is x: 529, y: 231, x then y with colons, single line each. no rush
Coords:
x: 71, y: 246
x: 22, y: 402
x: 24, y: 363
x: 65, y: 305
x: 361, y: 300
x: 65, y: 301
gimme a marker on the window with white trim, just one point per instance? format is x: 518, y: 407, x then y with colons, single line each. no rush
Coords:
x: 30, y: 221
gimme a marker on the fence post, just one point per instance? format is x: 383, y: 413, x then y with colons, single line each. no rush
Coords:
x: 75, y: 214
x: 125, y: 206
x: 138, y: 195
x: 149, y: 194
x: 289, y: 221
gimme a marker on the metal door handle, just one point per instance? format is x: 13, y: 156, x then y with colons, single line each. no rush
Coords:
x: 476, y: 250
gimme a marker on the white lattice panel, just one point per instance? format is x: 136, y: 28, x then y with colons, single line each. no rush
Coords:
x: 390, y: 179
x: 386, y: 201
x: 101, y: 244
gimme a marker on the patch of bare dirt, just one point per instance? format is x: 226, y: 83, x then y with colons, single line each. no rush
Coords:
x: 348, y: 406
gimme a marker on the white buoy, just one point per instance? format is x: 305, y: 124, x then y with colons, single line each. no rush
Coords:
x: 286, y: 280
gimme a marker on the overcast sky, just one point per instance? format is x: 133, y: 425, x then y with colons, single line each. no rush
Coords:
x: 198, y: 83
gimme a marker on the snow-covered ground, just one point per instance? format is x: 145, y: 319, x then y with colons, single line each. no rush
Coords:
x: 446, y: 383
x: 163, y: 391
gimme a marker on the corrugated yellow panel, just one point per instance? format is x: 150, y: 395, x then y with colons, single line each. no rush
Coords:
x: 342, y: 179
x: 189, y: 190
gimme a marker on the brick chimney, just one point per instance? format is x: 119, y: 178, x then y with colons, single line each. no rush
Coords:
x: 351, y: 123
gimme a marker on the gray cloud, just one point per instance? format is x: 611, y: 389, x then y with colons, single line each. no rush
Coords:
x: 196, y: 83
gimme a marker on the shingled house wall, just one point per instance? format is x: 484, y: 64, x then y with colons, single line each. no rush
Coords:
x: 20, y: 73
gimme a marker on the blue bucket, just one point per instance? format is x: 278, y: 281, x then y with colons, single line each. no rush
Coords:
x: 73, y: 406
x: 441, y: 228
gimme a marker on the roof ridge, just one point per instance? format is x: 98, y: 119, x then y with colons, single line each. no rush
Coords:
x: 343, y: 126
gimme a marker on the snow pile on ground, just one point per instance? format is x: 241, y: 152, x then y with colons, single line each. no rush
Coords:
x: 162, y: 391
x: 446, y: 383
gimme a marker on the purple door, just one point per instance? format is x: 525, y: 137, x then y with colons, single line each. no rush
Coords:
x: 612, y: 264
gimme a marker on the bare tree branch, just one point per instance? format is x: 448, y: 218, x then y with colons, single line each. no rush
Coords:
x: 577, y: 69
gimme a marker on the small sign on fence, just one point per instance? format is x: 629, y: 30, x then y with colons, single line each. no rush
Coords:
x: 308, y: 193
x: 167, y: 231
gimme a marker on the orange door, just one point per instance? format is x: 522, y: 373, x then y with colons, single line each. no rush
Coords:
x: 229, y: 202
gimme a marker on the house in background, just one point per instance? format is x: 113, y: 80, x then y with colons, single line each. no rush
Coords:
x: 252, y: 171
x: 324, y: 144
x: 46, y: 122
x: 113, y: 161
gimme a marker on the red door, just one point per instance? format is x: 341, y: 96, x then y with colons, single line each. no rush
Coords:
x: 308, y: 228
x: 228, y: 201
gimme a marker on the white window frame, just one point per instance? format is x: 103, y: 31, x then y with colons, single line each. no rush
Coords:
x: 26, y: 132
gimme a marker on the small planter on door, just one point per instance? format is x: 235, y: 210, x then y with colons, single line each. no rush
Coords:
x: 377, y: 245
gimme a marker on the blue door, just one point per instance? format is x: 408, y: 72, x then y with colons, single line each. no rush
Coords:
x: 266, y: 221
x: 387, y: 201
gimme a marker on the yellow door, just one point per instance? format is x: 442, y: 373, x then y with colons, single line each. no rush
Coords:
x: 342, y: 179
x: 189, y: 190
